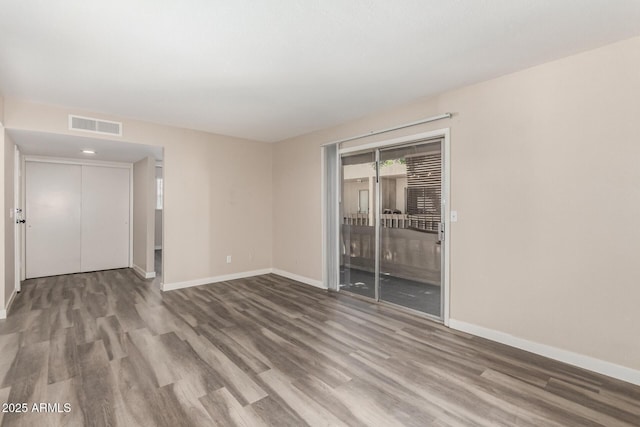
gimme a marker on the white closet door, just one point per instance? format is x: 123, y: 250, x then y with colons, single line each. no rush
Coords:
x: 53, y: 209
x: 105, y: 218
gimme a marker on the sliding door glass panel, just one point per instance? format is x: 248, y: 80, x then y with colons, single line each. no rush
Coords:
x: 357, y: 236
x: 410, y: 216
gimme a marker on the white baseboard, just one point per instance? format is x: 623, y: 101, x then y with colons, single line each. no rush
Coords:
x: 142, y: 273
x: 586, y: 362
x: 215, y: 279
x: 298, y: 278
x: 242, y: 275
x: 3, y: 312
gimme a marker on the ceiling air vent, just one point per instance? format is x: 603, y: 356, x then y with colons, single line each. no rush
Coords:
x: 87, y: 124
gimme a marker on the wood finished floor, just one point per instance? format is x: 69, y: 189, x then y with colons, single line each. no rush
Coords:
x: 268, y: 351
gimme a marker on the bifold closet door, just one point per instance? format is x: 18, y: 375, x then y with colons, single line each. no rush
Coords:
x: 105, y: 218
x: 77, y: 218
x: 53, y: 209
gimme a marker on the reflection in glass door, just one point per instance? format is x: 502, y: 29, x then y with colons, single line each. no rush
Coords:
x: 358, y: 237
x: 410, y: 224
x: 392, y: 250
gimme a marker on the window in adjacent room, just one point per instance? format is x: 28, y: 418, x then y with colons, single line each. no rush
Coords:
x: 159, y: 191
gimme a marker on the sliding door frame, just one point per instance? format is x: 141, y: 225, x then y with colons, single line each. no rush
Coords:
x: 446, y: 204
x: 330, y: 218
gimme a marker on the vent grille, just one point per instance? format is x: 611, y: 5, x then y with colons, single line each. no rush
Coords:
x: 87, y: 124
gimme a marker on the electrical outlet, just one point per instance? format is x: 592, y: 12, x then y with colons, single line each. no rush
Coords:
x: 228, y: 259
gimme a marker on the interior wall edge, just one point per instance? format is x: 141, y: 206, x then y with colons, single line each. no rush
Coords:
x: 575, y: 359
x: 142, y: 273
x: 3, y: 312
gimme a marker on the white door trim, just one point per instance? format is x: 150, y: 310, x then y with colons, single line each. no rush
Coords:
x: 23, y: 230
x: 17, y: 233
x: 81, y: 162
x: 447, y: 224
x: 131, y: 215
x: 324, y: 201
x: 443, y: 133
x: 438, y: 133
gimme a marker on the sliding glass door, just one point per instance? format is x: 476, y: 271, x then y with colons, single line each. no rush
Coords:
x: 410, y: 246
x: 358, y: 232
x: 393, y: 252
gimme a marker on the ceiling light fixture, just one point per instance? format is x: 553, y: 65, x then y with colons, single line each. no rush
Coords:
x: 88, y: 151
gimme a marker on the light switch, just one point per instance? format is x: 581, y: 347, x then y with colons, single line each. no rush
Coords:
x: 454, y: 216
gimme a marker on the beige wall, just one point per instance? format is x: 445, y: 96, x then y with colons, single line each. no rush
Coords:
x: 144, y: 177
x: 217, y: 191
x: 544, y: 176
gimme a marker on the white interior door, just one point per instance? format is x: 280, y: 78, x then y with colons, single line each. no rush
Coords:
x: 53, y: 209
x: 105, y: 218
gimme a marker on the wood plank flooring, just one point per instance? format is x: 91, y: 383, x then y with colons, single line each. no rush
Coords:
x: 268, y: 351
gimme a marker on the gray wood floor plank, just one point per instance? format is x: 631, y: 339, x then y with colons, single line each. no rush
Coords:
x: 137, y: 402
x: 62, y: 392
x: 225, y: 410
x: 63, y: 360
x: 236, y: 381
x: 304, y: 406
x: 241, y: 356
x: 112, y: 336
x: 31, y: 389
x: 84, y: 325
x: 326, y: 397
x: 268, y: 351
x: 4, y: 397
x: 97, y: 387
x: 9, y: 347
x: 273, y: 414
x: 30, y: 360
x: 150, y: 357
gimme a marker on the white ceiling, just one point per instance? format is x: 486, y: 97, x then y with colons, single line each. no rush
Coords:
x: 70, y: 147
x: 268, y: 70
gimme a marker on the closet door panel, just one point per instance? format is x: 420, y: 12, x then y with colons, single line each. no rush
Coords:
x: 52, y: 212
x: 105, y: 218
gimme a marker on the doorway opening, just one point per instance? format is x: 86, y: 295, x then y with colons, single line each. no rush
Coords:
x: 158, y: 218
x: 106, y: 218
